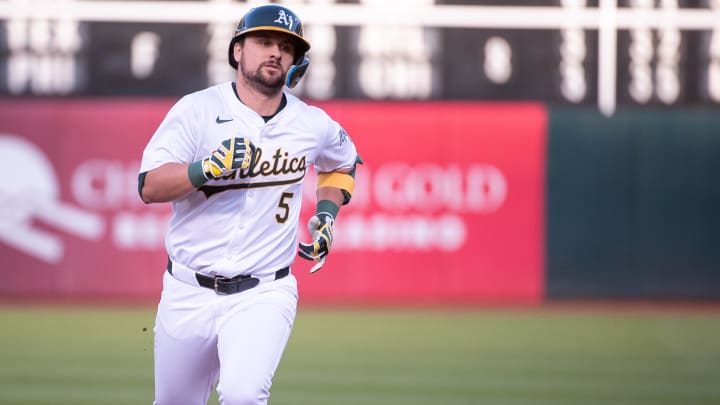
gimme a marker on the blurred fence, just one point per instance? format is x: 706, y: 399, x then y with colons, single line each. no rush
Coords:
x: 633, y: 204
x: 456, y: 202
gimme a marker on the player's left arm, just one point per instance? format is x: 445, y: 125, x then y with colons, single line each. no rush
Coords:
x: 334, y: 190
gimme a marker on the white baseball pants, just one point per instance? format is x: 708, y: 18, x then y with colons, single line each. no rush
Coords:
x: 237, y: 340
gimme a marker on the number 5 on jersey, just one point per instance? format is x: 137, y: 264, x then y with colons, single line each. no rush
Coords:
x: 284, y: 206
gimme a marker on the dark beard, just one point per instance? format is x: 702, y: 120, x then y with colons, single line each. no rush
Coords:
x: 264, y: 85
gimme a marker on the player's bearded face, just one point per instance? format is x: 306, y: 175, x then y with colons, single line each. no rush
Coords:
x: 266, y: 81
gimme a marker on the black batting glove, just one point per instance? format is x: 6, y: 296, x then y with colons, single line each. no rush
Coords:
x: 232, y: 154
x: 321, y: 230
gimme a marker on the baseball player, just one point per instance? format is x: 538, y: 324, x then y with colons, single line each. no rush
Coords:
x: 232, y: 159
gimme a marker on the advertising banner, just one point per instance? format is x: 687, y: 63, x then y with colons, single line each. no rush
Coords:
x: 448, y: 205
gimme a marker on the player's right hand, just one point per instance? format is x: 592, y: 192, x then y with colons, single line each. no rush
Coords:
x: 232, y: 154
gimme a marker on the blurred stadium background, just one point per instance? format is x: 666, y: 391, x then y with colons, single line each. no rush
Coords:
x: 536, y: 220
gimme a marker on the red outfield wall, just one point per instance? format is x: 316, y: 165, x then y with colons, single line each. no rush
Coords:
x: 448, y: 205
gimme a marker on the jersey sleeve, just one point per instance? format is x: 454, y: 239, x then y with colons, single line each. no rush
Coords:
x: 174, y: 140
x: 338, y: 151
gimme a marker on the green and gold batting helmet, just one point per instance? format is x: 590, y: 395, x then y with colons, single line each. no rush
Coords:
x: 277, y: 18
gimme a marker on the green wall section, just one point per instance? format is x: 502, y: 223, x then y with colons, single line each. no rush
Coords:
x: 633, y: 204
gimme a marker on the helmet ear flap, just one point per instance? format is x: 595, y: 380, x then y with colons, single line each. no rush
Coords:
x: 296, y: 72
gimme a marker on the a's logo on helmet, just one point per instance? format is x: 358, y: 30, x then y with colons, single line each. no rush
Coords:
x: 285, y: 19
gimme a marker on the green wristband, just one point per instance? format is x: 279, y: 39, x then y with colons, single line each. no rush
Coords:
x: 327, y: 206
x: 196, y: 174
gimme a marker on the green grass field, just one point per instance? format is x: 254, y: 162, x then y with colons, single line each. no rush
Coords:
x: 104, y: 356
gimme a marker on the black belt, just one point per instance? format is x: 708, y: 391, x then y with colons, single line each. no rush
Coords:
x: 225, y: 285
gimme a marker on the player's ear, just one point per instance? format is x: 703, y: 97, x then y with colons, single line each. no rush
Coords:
x: 237, y: 49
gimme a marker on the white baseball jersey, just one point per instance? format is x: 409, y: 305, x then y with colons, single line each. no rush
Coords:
x: 247, y: 222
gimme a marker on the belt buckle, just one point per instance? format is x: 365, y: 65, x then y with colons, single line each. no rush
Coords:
x: 216, y: 285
